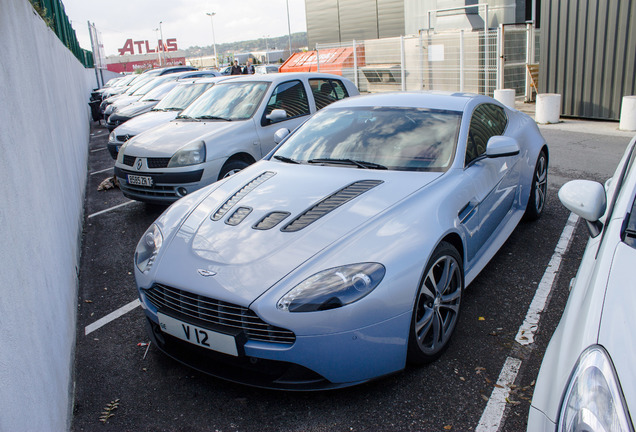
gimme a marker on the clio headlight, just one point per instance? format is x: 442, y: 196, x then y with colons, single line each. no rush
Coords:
x: 192, y: 154
x: 120, y: 154
x: 333, y: 288
x: 111, y: 136
x: 148, y: 248
x: 593, y: 400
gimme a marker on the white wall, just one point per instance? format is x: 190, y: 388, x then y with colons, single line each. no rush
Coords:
x: 44, y: 131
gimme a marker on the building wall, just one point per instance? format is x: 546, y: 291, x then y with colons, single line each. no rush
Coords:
x: 588, y: 55
x: 44, y: 145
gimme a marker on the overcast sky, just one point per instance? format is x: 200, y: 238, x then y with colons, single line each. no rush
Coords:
x: 185, y: 20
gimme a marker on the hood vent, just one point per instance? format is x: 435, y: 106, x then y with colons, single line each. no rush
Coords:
x: 271, y: 220
x: 238, y: 216
x: 330, y: 203
x: 240, y: 194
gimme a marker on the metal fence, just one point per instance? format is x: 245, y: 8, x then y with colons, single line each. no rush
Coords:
x: 53, y: 13
x: 466, y: 61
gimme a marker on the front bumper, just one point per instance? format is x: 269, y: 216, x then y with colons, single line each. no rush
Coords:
x: 165, y: 187
x: 317, y: 362
x: 539, y: 422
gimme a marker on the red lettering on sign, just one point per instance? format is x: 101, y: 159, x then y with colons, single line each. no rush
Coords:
x: 139, y: 44
x: 128, y: 48
x: 169, y: 45
x: 148, y: 50
x: 172, y: 44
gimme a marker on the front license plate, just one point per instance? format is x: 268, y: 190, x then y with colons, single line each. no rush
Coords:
x: 198, y: 336
x: 139, y: 180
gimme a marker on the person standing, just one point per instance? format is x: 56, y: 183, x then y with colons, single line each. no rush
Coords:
x: 249, y: 67
x: 236, y: 69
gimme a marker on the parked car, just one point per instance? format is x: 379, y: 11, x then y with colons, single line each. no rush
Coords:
x: 587, y: 380
x: 345, y: 252
x: 265, y: 69
x: 176, y: 101
x: 230, y: 127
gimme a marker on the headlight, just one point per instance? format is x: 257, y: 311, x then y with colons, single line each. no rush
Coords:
x: 593, y: 400
x: 120, y: 155
x: 148, y: 248
x: 333, y: 288
x: 191, y: 154
x: 111, y: 136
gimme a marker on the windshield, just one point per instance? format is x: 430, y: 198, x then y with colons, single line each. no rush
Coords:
x: 408, y: 139
x: 137, y: 85
x: 182, y: 96
x: 159, y: 92
x: 228, y: 101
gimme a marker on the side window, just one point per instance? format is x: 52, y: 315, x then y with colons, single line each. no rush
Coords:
x: 488, y: 120
x: 291, y: 97
x: 327, y: 91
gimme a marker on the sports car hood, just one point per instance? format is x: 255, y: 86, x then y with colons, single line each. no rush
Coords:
x: 264, y: 222
x: 145, y: 122
x: 165, y: 140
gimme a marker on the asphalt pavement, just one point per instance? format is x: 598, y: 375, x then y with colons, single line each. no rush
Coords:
x: 139, y: 389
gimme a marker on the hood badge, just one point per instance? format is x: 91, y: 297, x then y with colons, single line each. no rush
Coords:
x: 138, y: 164
x: 206, y: 273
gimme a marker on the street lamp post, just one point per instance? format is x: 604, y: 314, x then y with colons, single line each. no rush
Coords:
x: 266, y: 48
x: 289, y: 28
x: 163, y: 45
x: 216, y: 59
x: 158, y: 51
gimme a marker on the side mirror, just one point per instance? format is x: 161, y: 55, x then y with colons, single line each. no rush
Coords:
x: 501, y: 146
x: 276, y: 115
x: 280, y: 135
x: 586, y: 199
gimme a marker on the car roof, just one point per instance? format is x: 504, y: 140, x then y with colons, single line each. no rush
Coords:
x: 452, y: 101
x: 275, y: 78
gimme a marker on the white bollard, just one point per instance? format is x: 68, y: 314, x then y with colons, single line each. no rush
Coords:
x: 628, y: 114
x: 506, y: 97
x: 548, y: 108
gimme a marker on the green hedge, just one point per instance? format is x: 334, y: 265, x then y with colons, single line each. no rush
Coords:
x: 53, y: 13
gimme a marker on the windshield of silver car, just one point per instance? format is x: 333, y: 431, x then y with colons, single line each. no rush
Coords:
x: 182, y: 96
x: 394, y: 138
x: 231, y: 101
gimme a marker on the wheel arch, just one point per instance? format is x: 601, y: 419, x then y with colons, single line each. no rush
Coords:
x: 242, y: 156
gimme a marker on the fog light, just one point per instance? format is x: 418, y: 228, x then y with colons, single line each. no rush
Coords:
x: 182, y: 191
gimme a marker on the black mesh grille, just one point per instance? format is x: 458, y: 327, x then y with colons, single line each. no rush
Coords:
x: 158, y: 162
x: 129, y: 160
x: 216, y: 312
x: 124, y: 138
x: 329, y: 204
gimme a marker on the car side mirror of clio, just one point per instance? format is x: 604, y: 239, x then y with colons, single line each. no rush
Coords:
x: 586, y: 199
x: 501, y: 146
x: 276, y: 115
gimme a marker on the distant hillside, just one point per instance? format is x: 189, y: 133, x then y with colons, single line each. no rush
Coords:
x: 298, y: 41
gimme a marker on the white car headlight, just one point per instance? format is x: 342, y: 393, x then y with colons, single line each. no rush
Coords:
x: 120, y: 154
x: 148, y: 248
x: 111, y: 137
x: 333, y: 288
x: 191, y: 154
x: 593, y: 399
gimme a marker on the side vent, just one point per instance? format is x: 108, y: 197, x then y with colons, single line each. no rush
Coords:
x: 329, y: 204
x: 238, y: 216
x: 271, y: 220
x: 240, y: 194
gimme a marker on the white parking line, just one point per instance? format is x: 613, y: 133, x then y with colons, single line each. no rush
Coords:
x: 99, y: 149
x: 492, y: 415
x: 101, y: 171
x: 526, y: 333
x: 110, y: 209
x: 111, y: 317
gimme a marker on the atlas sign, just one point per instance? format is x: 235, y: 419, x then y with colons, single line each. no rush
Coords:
x: 143, y: 47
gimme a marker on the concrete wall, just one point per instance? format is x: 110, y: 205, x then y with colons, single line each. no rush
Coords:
x: 44, y: 120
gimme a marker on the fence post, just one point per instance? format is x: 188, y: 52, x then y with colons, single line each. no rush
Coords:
x: 500, y: 57
x: 461, y: 60
x: 421, y: 51
x: 355, y: 63
x: 317, y: 59
x: 529, y: 58
x: 402, y: 61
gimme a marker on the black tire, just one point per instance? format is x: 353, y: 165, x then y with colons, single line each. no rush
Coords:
x: 232, y: 167
x: 539, y: 188
x: 437, y: 305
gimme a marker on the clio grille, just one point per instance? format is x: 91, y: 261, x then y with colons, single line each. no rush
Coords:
x: 218, y: 313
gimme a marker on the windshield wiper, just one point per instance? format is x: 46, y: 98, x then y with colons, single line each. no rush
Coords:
x: 358, y: 163
x: 286, y: 159
x: 211, y: 117
x: 181, y: 117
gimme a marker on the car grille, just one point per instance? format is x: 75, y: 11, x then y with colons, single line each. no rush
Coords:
x: 218, y: 313
x: 158, y: 162
x: 129, y: 160
x: 156, y: 191
x: 123, y: 138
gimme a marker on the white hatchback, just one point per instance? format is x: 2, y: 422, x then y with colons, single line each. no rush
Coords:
x: 228, y: 128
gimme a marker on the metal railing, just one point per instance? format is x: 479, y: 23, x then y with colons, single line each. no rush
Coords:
x: 464, y: 61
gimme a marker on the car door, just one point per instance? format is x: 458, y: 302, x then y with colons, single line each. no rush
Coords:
x: 494, y: 181
x: 290, y: 96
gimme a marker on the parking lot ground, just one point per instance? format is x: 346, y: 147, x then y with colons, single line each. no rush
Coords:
x: 155, y: 393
